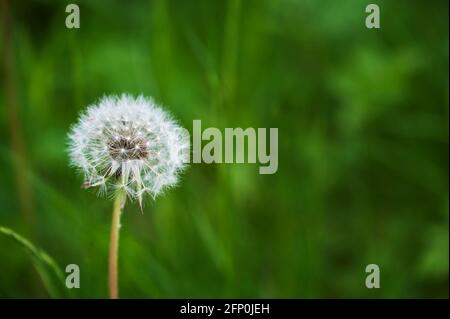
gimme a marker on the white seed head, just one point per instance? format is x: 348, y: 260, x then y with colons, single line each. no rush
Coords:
x: 128, y: 143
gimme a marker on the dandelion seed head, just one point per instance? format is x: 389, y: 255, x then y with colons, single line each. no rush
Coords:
x: 129, y: 143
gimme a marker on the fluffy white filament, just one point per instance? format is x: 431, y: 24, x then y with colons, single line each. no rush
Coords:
x: 128, y: 143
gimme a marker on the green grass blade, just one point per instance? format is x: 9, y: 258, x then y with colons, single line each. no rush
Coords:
x: 48, y: 270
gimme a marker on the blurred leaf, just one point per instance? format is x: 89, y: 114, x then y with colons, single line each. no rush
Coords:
x: 50, y: 273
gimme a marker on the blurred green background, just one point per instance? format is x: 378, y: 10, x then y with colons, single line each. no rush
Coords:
x: 363, y: 146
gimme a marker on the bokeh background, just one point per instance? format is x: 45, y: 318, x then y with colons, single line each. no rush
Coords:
x: 363, y: 147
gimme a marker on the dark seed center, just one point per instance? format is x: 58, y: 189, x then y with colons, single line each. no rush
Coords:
x: 126, y: 148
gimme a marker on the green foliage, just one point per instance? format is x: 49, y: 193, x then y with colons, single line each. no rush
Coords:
x: 363, y: 146
x: 49, y: 272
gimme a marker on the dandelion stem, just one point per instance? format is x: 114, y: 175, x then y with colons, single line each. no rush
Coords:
x: 114, y: 245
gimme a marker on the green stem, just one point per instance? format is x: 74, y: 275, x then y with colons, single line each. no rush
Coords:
x: 114, y: 246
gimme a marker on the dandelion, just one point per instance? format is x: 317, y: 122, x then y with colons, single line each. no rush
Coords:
x: 127, y: 147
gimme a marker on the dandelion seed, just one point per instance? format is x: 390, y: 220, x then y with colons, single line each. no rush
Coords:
x: 131, y: 146
x: 102, y: 124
